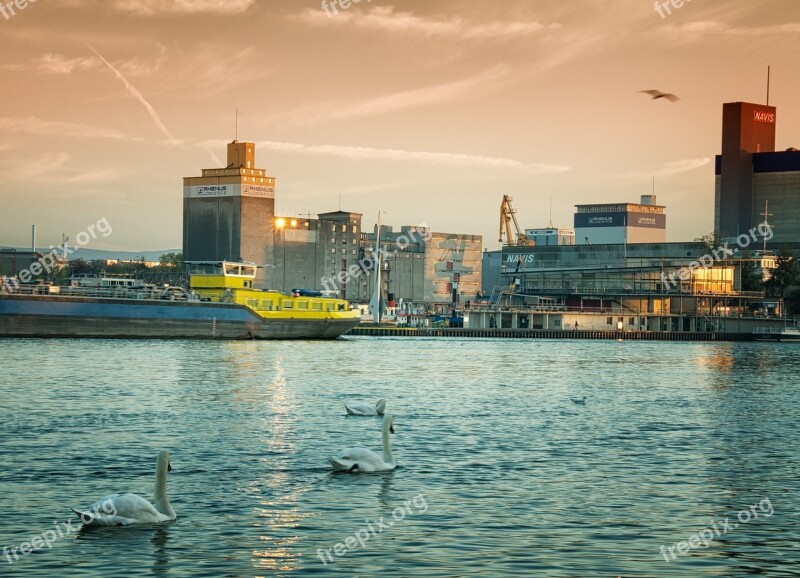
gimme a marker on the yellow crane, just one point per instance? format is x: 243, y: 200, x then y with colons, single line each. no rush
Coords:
x: 507, y: 215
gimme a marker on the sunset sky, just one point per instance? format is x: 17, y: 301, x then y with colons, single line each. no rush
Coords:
x: 428, y: 110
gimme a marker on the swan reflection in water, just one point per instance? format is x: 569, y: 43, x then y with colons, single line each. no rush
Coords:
x: 127, y: 539
x: 277, y: 515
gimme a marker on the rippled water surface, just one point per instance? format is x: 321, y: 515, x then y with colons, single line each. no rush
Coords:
x: 500, y: 473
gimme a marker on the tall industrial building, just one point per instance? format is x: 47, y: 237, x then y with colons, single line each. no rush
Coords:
x: 228, y: 213
x: 750, y: 175
x: 307, y: 250
x: 620, y: 223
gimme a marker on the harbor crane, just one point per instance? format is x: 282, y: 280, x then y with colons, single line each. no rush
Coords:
x: 507, y: 215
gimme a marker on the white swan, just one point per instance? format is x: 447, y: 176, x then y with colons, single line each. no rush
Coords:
x: 126, y: 509
x: 365, y: 460
x: 366, y: 408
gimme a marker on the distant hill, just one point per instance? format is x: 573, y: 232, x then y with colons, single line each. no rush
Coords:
x: 96, y: 254
x: 92, y: 254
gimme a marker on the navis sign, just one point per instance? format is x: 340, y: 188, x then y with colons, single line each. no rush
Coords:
x: 601, y: 220
x: 764, y: 116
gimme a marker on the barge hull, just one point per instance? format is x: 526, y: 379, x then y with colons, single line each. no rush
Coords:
x: 49, y: 316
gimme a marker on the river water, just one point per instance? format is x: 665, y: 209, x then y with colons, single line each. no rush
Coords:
x: 500, y: 474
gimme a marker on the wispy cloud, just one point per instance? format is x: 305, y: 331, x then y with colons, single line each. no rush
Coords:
x: 386, y: 19
x: 51, y: 63
x: 138, y: 96
x: 485, y: 81
x: 211, y: 69
x: 60, y: 64
x: 707, y: 28
x: 156, y: 7
x: 38, y: 126
x: 57, y: 168
x: 671, y: 168
x: 435, y: 158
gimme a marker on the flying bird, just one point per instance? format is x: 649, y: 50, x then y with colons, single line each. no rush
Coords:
x: 656, y: 94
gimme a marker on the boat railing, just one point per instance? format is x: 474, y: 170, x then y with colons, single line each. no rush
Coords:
x: 133, y: 293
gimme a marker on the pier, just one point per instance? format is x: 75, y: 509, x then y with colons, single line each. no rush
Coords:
x: 549, y: 334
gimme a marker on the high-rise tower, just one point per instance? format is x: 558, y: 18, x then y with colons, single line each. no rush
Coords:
x: 747, y: 129
x: 228, y: 213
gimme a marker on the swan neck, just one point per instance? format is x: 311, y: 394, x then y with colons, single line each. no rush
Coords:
x: 160, y: 492
x: 387, y: 450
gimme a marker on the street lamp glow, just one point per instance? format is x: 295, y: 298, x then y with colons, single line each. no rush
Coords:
x: 294, y: 222
x: 280, y: 223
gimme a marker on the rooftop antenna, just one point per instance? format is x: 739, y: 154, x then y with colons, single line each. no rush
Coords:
x: 768, y: 70
x: 550, y: 225
x: 766, y: 214
x: 654, y: 185
x: 236, y: 126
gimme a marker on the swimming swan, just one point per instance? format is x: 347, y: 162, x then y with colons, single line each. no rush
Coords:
x: 364, y: 460
x: 365, y: 408
x: 127, y: 509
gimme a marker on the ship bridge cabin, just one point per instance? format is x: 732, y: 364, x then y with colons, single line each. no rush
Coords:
x: 221, y: 274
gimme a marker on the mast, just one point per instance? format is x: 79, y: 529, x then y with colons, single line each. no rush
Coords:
x: 377, y: 298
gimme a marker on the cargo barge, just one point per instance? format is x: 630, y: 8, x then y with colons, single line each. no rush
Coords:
x: 221, y: 303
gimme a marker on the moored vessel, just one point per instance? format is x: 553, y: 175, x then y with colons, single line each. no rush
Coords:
x: 221, y: 303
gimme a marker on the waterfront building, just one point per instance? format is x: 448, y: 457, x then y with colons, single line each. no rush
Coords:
x: 644, y: 287
x: 306, y: 251
x: 14, y: 261
x: 609, y: 223
x: 551, y: 236
x: 754, y: 181
x: 228, y: 213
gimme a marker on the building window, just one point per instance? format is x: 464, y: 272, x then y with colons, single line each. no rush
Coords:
x: 354, y: 241
x: 609, y: 321
x: 333, y: 250
x: 354, y: 229
x: 354, y: 251
x: 344, y: 251
x: 333, y: 240
x: 333, y: 228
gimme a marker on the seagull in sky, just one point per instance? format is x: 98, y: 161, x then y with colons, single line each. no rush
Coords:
x: 656, y: 94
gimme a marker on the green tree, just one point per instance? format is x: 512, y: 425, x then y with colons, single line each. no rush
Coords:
x: 785, y: 274
x: 751, y: 277
x: 711, y: 240
x: 171, y: 260
x: 79, y: 267
x: 792, y: 301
